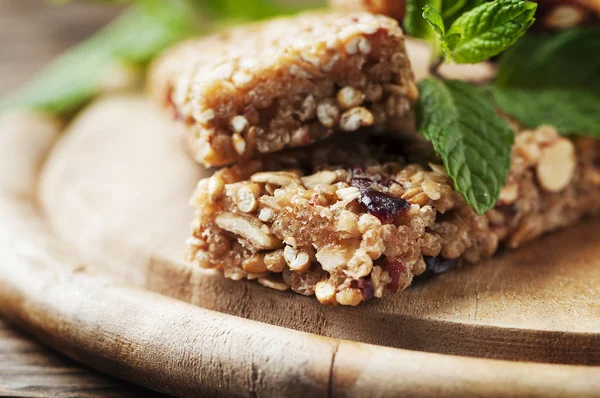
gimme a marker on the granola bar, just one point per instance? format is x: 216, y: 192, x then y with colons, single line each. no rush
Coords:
x: 287, y: 83
x: 350, y: 233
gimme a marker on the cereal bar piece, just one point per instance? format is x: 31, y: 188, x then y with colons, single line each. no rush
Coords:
x: 287, y: 83
x: 393, y: 8
x: 348, y: 234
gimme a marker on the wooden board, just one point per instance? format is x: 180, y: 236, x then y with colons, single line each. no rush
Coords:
x: 72, y: 305
x: 28, y: 370
x: 530, y: 304
x: 54, y: 267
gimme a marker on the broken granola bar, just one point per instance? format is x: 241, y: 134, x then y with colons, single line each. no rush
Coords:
x: 287, y: 83
x: 351, y: 232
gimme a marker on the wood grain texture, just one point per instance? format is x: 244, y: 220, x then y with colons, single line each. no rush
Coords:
x: 168, y: 345
x: 28, y: 370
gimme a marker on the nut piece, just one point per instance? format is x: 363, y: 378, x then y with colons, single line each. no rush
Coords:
x: 509, y: 193
x: 247, y: 196
x: 266, y: 214
x: 556, y: 166
x: 238, y: 124
x: 356, y: 118
x: 325, y: 293
x: 275, y: 261
x: 216, y: 186
x: 431, y: 190
x: 254, y: 265
x: 280, y: 178
x: 273, y: 284
x: 250, y: 229
x: 297, y: 261
x: 351, y: 297
x: 239, y: 144
x: 349, y: 97
x: 348, y: 194
x: 327, y: 113
x: 320, y: 178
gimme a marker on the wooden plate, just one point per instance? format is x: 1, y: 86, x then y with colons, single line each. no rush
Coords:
x: 530, y: 304
x: 83, y: 245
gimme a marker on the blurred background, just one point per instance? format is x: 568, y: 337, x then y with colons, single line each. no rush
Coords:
x: 32, y: 32
x: 114, y: 36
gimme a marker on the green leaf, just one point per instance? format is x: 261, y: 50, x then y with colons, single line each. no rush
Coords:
x: 414, y: 23
x: 573, y: 112
x: 434, y: 19
x: 241, y: 10
x: 488, y: 29
x: 467, y: 133
x: 454, y: 9
x: 554, y: 80
x: 75, y: 77
x: 569, y: 59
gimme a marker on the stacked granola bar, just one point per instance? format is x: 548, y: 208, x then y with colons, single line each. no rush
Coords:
x: 286, y: 83
x: 349, y: 232
x: 345, y: 219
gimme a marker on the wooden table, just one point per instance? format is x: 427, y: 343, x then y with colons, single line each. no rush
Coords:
x: 29, y: 370
x: 31, y: 34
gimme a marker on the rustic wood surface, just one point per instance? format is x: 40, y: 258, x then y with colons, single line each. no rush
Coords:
x: 507, y: 308
x: 29, y: 370
x: 31, y: 34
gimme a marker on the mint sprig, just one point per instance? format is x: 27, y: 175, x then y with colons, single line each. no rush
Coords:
x: 460, y: 120
x: 483, y: 31
x: 414, y: 23
x: 467, y: 133
x: 488, y: 29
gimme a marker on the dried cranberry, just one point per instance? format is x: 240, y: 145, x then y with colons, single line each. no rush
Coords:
x: 435, y: 266
x: 366, y: 286
x: 395, y: 269
x: 382, y: 205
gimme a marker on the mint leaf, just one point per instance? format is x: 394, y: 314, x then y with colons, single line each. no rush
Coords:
x: 573, y: 112
x: 488, y: 29
x: 434, y: 19
x: 567, y: 59
x: 467, y: 133
x: 554, y: 80
x: 454, y: 9
x: 75, y: 77
x: 414, y: 23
